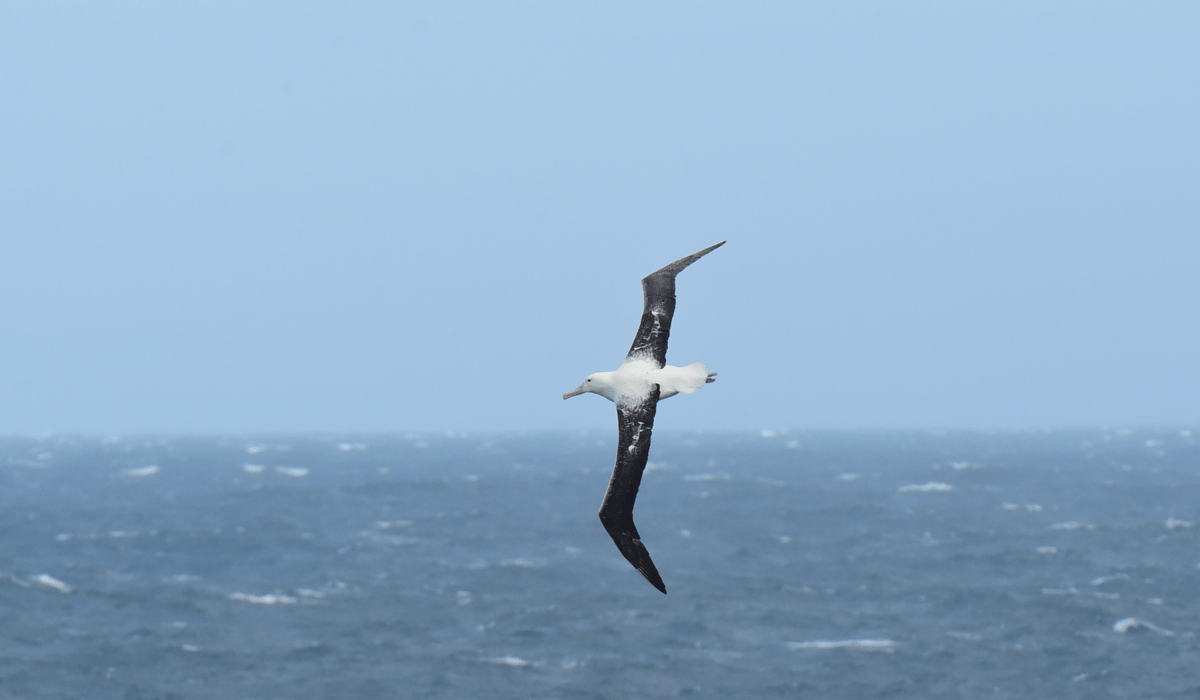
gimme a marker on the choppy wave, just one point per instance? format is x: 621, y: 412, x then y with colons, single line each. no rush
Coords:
x: 427, y: 565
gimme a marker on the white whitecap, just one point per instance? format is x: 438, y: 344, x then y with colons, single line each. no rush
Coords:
x: 524, y: 562
x: 932, y: 486
x: 1132, y: 623
x: 514, y: 661
x: 865, y: 644
x: 142, y: 471
x: 268, y: 599
x: 48, y: 580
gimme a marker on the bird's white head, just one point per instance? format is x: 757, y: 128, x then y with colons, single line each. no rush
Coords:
x: 598, y: 383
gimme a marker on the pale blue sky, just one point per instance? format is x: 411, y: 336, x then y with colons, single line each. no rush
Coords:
x: 236, y: 217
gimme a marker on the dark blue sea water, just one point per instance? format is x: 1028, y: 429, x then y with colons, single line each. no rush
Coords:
x: 800, y: 565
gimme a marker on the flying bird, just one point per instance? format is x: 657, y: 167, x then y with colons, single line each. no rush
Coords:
x: 636, y: 387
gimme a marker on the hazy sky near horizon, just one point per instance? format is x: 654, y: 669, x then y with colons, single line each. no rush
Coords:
x: 244, y: 217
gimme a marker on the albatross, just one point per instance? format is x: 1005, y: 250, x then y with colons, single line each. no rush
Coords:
x: 636, y: 387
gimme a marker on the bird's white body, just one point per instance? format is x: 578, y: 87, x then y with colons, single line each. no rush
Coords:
x: 636, y: 388
x: 631, y: 382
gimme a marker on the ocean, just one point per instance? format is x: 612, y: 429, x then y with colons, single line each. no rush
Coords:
x: 799, y: 564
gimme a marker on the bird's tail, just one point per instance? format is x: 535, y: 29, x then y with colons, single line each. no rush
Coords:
x: 712, y: 377
x: 693, y: 377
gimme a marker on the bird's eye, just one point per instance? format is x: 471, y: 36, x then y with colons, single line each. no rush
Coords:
x: 589, y: 380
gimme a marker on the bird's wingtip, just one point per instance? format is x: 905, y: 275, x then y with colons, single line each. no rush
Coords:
x: 654, y: 579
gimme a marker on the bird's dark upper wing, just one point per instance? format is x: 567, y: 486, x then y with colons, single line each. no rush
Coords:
x: 658, y: 292
x: 616, y: 512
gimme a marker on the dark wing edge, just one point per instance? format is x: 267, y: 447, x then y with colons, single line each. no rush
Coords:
x: 658, y: 294
x: 616, y: 511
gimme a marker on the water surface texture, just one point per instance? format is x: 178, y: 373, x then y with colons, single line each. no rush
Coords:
x: 804, y: 564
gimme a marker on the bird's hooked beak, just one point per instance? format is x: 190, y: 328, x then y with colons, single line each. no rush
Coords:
x: 574, y: 392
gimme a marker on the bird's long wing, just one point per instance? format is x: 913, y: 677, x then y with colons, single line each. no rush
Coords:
x: 658, y: 293
x: 616, y: 512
